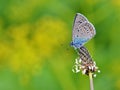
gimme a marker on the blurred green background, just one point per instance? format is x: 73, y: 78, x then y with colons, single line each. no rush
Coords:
x: 35, y: 51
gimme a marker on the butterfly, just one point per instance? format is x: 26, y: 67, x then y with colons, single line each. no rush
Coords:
x: 82, y: 32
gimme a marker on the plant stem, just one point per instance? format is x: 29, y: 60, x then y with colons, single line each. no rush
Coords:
x: 91, y: 81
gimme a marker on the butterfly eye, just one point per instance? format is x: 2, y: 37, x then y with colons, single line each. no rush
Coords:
x: 78, y: 30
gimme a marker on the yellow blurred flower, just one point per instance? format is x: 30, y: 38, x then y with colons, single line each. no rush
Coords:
x: 50, y: 33
x: 28, y: 54
x: 5, y: 50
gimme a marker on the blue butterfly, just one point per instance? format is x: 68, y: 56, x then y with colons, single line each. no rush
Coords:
x: 83, y: 31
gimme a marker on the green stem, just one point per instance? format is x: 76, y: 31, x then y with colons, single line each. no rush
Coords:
x: 91, y: 81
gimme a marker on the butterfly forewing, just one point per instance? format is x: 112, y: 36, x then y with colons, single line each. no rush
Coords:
x: 79, y: 19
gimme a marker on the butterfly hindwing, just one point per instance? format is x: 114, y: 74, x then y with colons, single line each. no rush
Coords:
x: 85, y: 31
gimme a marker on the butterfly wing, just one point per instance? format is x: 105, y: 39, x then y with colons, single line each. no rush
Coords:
x: 84, y: 32
x: 79, y: 19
